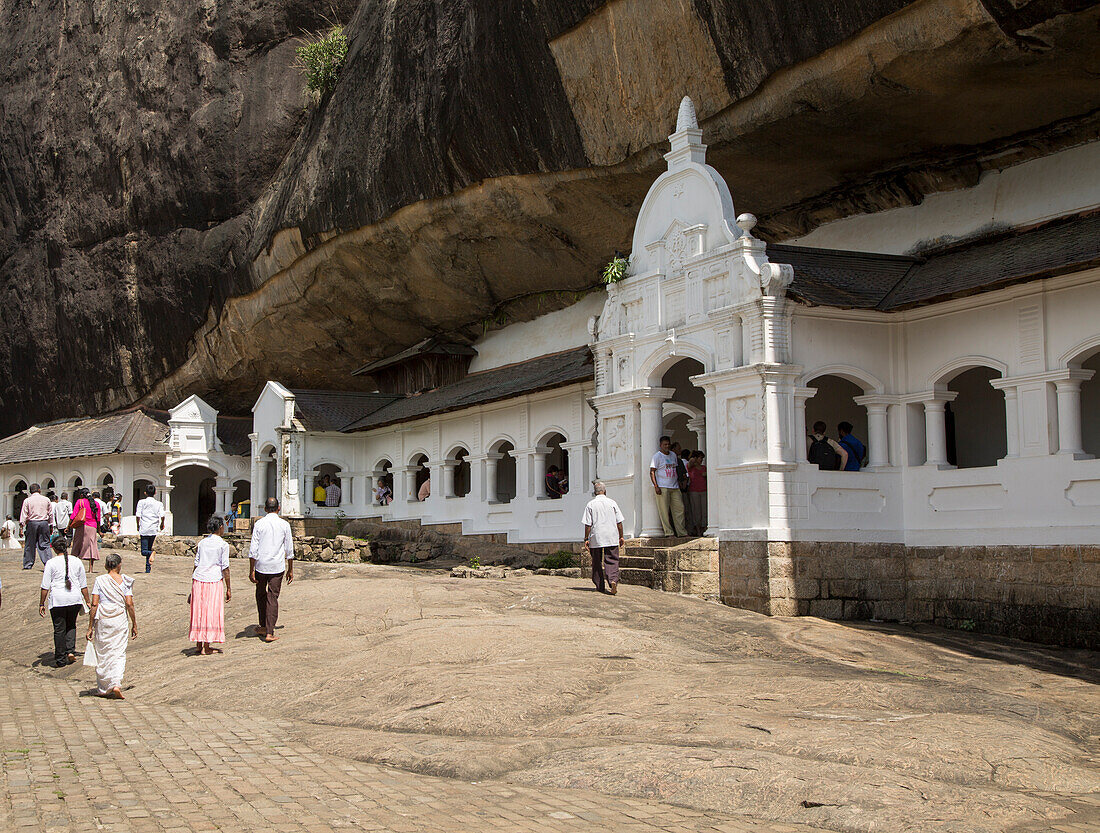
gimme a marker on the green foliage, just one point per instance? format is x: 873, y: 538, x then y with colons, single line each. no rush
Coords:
x: 341, y: 520
x: 559, y: 560
x: 615, y: 270
x: 475, y: 563
x: 967, y: 625
x: 320, y: 59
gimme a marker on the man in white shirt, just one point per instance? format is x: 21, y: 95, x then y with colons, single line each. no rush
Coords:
x: 603, y: 536
x: 666, y: 485
x: 270, y: 556
x: 150, y: 521
x: 104, y: 509
x: 62, y: 511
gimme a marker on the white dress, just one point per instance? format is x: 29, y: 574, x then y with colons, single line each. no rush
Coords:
x: 112, y: 630
x: 12, y: 541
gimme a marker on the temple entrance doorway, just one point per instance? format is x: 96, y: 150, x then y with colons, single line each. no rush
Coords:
x: 193, y: 499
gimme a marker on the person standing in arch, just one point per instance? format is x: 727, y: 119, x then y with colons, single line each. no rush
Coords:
x: 270, y: 557
x: 826, y: 452
x: 666, y: 485
x: 852, y: 445
x: 150, y: 521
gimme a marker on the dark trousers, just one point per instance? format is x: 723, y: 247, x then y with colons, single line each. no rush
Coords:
x: 64, y: 631
x: 147, y: 549
x: 37, y: 537
x: 605, y: 566
x: 267, y: 600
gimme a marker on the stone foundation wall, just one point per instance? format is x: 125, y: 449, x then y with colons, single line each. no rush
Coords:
x: 1045, y: 594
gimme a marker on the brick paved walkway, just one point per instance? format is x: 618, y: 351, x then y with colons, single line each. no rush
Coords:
x: 72, y: 762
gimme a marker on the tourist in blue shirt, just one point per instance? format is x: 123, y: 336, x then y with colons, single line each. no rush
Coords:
x: 854, y: 447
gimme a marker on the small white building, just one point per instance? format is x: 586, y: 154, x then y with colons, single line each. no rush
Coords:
x: 197, y: 459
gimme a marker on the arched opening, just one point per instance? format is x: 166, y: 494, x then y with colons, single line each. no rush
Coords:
x: 242, y: 497
x: 328, y: 486
x: 106, y: 486
x: 19, y: 494
x: 75, y: 482
x: 833, y: 404
x: 267, y: 484
x: 692, y: 402
x: 461, y: 486
x: 975, y: 422
x: 48, y: 486
x: 504, y: 477
x: 1090, y: 407
x: 139, y: 492
x: 193, y: 499
x: 421, y: 475
x: 555, y: 476
x: 383, y: 483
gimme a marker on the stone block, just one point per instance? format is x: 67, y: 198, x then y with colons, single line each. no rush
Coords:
x: 1090, y: 555
x: 781, y: 588
x: 845, y: 589
x: 919, y: 611
x: 857, y: 609
x: 780, y: 567
x: 783, y: 607
x: 889, y: 611
x: 803, y: 549
x: 343, y: 543
x: 886, y: 567
x: 1054, y: 573
x: 1086, y: 574
x: 698, y: 584
x: 754, y: 603
x: 807, y: 588
x: 928, y: 553
x: 806, y: 566
x: 691, y: 561
x: 827, y: 608
x: 883, y: 590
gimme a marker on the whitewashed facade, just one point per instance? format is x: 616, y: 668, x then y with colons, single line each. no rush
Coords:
x: 701, y: 340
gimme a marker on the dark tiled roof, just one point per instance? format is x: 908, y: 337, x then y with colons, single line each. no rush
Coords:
x: 433, y: 346
x: 135, y: 432
x: 331, y: 410
x: 834, y: 278
x: 233, y: 432
x: 861, y: 280
x: 1053, y: 249
x: 543, y: 373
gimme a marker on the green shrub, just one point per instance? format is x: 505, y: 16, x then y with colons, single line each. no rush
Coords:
x: 320, y: 59
x: 615, y: 270
x: 560, y: 560
x: 475, y: 562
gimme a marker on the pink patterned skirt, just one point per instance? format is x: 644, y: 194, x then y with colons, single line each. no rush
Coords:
x: 207, y: 611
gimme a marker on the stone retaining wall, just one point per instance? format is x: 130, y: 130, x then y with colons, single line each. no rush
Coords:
x: 1045, y: 594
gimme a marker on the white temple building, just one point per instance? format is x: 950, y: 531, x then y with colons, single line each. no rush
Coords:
x: 197, y: 459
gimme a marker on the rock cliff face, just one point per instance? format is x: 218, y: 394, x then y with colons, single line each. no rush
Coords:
x: 177, y: 216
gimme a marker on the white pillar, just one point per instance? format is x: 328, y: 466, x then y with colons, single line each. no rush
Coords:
x: 878, y: 429
x: 698, y: 426
x: 488, y: 472
x: 409, y: 474
x: 650, y: 406
x: 580, y: 470
x: 1068, y: 391
x: 448, y: 469
x: 1012, y: 422
x: 935, y: 428
x: 801, y: 446
x: 537, y: 468
x: 166, y: 495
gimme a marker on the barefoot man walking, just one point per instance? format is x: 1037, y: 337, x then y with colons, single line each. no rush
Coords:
x: 603, y: 537
x: 270, y: 557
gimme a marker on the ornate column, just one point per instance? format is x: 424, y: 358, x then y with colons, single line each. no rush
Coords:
x: 801, y: 396
x: 935, y: 427
x: 483, y: 476
x: 878, y: 431
x: 1068, y: 391
x: 698, y: 426
x: 166, y: 495
x: 651, y: 427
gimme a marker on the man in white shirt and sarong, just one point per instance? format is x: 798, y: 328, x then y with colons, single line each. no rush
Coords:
x: 603, y: 536
x: 270, y: 557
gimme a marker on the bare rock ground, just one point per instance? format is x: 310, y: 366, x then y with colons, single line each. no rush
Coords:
x: 539, y: 681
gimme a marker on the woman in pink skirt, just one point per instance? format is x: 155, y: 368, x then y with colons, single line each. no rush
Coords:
x: 84, y: 524
x: 210, y: 589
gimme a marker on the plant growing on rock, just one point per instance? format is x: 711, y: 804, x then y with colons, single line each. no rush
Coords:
x: 320, y: 59
x: 561, y: 560
x: 615, y: 270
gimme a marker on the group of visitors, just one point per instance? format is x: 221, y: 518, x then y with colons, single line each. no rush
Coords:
x: 112, y: 619
x: 44, y: 519
x: 679, y: 478
x: 847, y: 454
x: 326, y: 491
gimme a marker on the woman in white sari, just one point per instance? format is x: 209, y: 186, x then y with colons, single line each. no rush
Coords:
x: 113, y: 622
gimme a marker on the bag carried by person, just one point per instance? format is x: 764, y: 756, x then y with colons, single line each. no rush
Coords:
x: 5, y: 533
x: 822, y: 453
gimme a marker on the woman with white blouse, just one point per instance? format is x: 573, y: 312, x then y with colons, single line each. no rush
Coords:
x: 113, y: 624
x: 66, y: 585
x: 210, y: 589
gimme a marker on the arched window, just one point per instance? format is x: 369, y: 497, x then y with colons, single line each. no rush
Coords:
x: 504, y: 474
x: 834, y: 403
x: 139, y: 491
x: 48, y: 485
x: 383, y: 483
x: 19, y: 494
x: 975, y: 421
x: 555, y: 475
x: 242, y: 494
x: 1090, y: 407
x: 422, y: 475
x: 461, y: 485
x: 106, y: 486
x: 328, y: 485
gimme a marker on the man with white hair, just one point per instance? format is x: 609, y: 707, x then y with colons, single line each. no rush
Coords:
x: 603, y: 536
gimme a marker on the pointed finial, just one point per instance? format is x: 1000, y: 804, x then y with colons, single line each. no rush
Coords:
x: 686, y: 119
